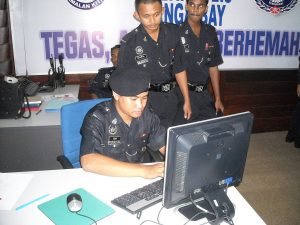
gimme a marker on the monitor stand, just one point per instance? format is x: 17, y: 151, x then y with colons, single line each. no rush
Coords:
x: 216, y: 202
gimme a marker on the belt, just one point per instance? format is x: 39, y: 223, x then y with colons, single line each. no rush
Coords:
x: 163, y: 87
x: 197, y: 87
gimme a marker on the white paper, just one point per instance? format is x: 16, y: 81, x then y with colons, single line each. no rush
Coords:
x: 12, y: 185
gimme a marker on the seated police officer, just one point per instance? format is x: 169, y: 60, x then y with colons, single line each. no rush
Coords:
x: 116, y: 134
x: 99, y: 87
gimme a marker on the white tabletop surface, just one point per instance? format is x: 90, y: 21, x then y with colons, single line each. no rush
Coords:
x: 58, y: 182
x: 43, y: 118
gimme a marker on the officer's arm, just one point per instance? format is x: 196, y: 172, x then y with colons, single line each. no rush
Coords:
x: 163, y: 150
x: 215, y: 81
x: 181, y: 79
x: 100, y: 164
x: 93, y: 96
x: 122, y: 55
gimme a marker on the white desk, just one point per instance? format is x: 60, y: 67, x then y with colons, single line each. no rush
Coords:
x: 58, y: 182
x: 34, y: 143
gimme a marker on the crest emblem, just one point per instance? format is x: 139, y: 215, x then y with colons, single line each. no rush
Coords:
x: 139, y: 50
x: 112, y: 129
x: 276, y: 6
x: 85, y: 4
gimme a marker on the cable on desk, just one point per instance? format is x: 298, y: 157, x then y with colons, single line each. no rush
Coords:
x: 199, y: 207
x: 158, y: 215
x: 158, y: 222
x: 151, y: 221
x: 87, y: 217
x: 197, y: 214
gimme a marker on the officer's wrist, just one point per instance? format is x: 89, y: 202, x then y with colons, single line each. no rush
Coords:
x: 142, y: 171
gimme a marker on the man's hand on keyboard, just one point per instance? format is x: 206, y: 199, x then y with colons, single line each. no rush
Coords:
x: 154, y: 170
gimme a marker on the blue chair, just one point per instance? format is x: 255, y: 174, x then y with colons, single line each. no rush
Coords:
x: 72, y: 116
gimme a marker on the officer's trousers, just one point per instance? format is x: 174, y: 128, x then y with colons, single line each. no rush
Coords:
x: 165, y: 105
x: 294, y: 130
x: 202, y: 104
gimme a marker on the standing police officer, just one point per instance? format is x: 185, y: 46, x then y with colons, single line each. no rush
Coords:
x: 151, y: 47
x: 293, y: 134
x: 201, y: 57
x: 99, y: 87
x: 116, y: 135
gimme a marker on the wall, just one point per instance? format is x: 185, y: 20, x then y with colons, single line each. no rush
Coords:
x: 269, y: 94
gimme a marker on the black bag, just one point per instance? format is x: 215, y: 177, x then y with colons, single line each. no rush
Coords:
x: 13, y: 99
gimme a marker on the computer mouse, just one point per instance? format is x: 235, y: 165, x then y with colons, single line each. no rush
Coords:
x: 74, y: 202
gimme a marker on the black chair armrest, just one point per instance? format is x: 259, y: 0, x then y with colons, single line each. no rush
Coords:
x: 64, y: 161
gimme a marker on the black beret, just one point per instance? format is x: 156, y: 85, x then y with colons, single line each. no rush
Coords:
x: 129, y: 82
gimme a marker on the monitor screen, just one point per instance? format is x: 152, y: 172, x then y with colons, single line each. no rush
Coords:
x: 205, y: 156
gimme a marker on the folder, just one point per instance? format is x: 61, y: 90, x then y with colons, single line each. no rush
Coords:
x: 57, y: 210
x: 55, y: 105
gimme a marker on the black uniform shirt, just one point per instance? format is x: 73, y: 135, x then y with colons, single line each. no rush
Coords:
x: 100, y: 85
x: 103, y: 131
x: 139, y: 50
x: 199, y: 53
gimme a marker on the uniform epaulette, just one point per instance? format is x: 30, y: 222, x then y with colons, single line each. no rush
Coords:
x: 100, y: 110
x: 105, y: 68
x: 209, y: 27
x: 130, y: 35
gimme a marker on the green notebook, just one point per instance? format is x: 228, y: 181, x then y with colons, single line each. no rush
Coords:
x: 57, y: 210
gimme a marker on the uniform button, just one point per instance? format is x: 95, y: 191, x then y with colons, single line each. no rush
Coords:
x: 198, y: 52
x: 128, y: 145
x: 157, y: 44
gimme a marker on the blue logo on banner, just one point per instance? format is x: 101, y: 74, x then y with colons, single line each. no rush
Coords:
x: 276, y: 6
x: 85, y: 4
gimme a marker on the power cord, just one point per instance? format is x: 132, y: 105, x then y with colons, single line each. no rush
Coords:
x: 199, y: 207
x: 203, y: 211
x: 197, y: 214
x: 226, y: 216
x: 87, y: 217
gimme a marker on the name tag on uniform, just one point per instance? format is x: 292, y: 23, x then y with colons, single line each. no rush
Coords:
x: 186, y: 48
x: 114, y: 140
x: 141, y: 59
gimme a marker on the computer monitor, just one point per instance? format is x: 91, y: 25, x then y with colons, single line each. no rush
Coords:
x: 203, y: 159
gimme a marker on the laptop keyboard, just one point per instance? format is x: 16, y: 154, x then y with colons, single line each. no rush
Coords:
x: 141, y: 198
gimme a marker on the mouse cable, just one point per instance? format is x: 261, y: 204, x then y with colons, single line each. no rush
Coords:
x: 87, y: 217
x: 151, y: 221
